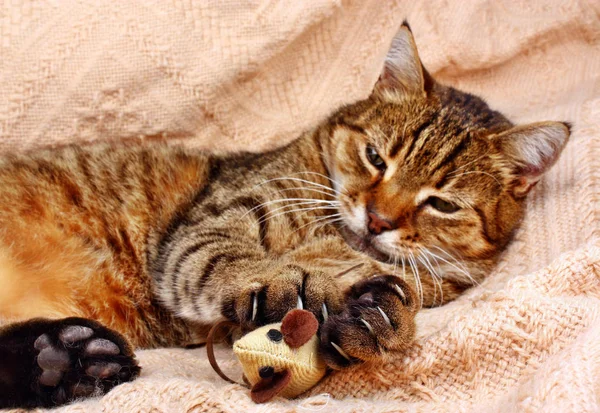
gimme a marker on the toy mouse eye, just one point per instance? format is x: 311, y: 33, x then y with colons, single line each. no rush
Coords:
x: 274, y: 335
x: 266, y: 372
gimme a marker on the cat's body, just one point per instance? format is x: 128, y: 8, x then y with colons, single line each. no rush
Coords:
x: 403, y: 199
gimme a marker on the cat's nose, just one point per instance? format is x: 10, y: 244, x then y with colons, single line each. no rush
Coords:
x: 377, y: 224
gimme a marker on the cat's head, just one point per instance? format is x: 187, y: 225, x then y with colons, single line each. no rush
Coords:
x: 433, y: 173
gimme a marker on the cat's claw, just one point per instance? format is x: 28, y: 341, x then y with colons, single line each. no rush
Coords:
x: 254, y: 307
x: 379, y: 317
x: 339, y: 350
x: 369, y: 327
x: 268, y: 300
x: 384, y: 315
x: 400, y: 292
x: 325, y: 312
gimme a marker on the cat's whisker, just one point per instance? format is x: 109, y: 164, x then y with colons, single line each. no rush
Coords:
x: 439, y: 271
x: 296, y: 204
x: 322, y: 224
x: 275, y: 201
x: 332, y: 217
x: 403, y: 267
x: 418, y: 285
x: 333, y: 181
x: 420, y: 259
x: 437, y: 279
x: 465, y: 273
x: 267, y: 217
x: 298, y: 180
x: 479, y: 172
x: 306, y: 188
x: 467, y: 164
x: 452, y: 257
x: 428, y: 252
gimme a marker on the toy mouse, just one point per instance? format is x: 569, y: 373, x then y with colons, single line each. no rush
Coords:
x: 280, y: 358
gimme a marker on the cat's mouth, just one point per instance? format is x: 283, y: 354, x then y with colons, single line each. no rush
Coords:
x: 365, y: 244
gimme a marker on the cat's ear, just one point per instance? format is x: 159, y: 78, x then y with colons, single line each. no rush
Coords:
x: 402, y: 71
x: 532, y: 149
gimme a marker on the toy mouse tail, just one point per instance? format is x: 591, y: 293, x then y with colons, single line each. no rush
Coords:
x: 210, y: 352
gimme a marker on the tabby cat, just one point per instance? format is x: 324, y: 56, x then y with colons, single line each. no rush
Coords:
x: 399, y: 201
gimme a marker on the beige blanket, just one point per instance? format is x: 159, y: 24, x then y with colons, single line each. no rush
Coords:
x: 252, y: 74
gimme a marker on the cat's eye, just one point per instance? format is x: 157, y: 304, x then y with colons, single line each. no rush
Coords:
x: 441, y: 205
x: 374, y: 157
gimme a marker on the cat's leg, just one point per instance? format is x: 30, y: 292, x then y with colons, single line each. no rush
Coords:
x: 51, y: 362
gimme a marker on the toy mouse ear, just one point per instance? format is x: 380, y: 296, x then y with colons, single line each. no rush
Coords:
x: 298, y: 326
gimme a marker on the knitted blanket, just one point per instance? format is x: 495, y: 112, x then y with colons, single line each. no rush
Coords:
x: 236, y: 74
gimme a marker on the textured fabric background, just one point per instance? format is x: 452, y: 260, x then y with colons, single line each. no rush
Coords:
x: 252, y: 74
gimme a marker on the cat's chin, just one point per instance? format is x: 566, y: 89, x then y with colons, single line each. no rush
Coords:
x: 364, y: 244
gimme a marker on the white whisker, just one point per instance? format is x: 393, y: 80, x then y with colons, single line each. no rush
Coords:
x: 418, y: 285
x: 437, y: 279
x: 333, y: 181
x: 266, y: 217
x: 439, y: 271
x: 465, y: 273
x: 325, y: 223
x: 296, y: 204
x: 452, y: 257
x: 420, y: 259
x: 337, y: 217
x: 479, y: 172
x: 274, y: 201
x: 299, y: 180
x: 306, y: 188
x: 468, y: 163
x: 403, y: 267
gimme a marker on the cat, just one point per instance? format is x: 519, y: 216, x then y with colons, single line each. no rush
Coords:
x: 399, y: 201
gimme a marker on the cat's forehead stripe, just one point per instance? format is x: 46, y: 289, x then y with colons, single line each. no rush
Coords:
x: 414, y: 136
x: 449, y: 152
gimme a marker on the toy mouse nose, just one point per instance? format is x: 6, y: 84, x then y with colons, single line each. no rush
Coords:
x: 377, y: 224
x: 266, y: 372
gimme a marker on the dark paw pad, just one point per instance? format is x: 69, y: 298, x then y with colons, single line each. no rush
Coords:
x: 80, y: 358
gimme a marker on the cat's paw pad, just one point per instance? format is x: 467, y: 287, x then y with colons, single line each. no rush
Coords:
x: 378, y: 317
x: 291, y: 287
x: 79, y: 358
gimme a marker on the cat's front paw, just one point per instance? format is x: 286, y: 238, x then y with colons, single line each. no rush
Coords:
x: 291, y: 286
x: 65, y: 360
x: 378, y: 317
